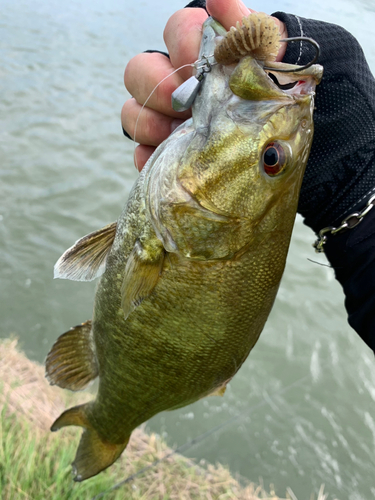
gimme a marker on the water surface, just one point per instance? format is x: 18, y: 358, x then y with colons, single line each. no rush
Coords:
x: 66, y: 170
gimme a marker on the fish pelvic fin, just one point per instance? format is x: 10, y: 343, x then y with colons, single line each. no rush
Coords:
x: 71, y: 363
x: 86, y: 259
x: 142, y: 273
x: 93, y: 454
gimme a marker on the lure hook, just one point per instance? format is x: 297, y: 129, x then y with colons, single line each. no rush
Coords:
x: 184, y: 96
x: 296, y: 39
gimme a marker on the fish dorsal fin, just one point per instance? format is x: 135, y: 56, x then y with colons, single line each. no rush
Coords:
x: 142, y: 273
x: 86, y: 259
x: 71, y: 363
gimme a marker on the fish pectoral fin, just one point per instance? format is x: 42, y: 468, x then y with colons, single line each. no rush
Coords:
x: 142, y: 273
x: 86, y: 259
x: 93, y: 453
x: 71, y: 363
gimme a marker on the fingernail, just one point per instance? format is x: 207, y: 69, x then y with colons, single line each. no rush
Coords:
x: 176, y: 123
x: 126, y: 134
x: 244, y: 10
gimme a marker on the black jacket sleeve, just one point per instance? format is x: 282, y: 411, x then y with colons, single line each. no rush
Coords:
x: 341, y: 167
x: 340, y: 173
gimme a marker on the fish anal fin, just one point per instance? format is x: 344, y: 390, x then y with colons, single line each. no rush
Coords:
x: 71, y: 363
x: 93, y: 454
x: 142, y: 273
x: 86, y: 259
x: 219, y: 392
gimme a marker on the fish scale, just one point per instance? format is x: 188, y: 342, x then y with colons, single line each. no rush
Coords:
x: 190, y: 271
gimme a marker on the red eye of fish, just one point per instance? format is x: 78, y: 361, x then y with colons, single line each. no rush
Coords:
x: 273, y: 159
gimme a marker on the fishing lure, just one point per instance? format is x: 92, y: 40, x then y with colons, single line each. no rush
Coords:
x: 258, y: 36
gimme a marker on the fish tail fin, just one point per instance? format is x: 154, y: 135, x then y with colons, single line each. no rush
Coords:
x: 93, y: 453
x: 71, y: 363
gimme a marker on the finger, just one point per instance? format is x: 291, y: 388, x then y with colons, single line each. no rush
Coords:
x: 228, y: 12
x: 182, y: 36
x: 143, y: 73
x: 152, y: 127
x: 141, y: 155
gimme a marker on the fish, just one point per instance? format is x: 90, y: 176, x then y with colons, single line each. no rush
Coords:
x: 190, y: 270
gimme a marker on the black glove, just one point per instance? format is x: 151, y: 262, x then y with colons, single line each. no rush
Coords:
x: 341, y: 167
x: 340, y: 173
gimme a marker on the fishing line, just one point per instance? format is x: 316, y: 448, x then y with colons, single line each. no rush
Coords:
x: 320, y: 263
x: 193, y: 65
x: 192, y: 442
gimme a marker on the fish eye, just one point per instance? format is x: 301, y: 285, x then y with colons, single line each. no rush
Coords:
x: 274, y: 159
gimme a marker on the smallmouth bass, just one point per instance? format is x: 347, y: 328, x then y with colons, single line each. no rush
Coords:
x: 191, y: 269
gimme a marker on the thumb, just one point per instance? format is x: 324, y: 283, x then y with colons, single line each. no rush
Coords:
x: 228, y: 12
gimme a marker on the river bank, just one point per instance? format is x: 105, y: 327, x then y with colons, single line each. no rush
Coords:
x: 35, y: 464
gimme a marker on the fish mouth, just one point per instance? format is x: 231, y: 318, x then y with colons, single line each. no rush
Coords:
x: 294, y: 80
x: 292, y: 85
x: 253, y: 81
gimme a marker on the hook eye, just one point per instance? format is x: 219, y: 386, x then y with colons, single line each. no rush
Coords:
x: 300, y: 68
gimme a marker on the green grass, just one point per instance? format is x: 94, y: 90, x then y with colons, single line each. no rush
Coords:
x: 33, y: 466
x: 36, y: 466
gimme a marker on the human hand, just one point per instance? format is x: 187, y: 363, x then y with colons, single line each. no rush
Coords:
x: 182, y: 36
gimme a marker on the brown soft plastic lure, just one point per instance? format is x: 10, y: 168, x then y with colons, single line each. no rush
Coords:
x: 258, y: 37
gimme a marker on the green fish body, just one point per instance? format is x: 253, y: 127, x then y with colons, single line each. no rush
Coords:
x: 192, y: 267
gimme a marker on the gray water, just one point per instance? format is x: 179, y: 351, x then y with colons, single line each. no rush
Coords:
x: 66, y: 170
